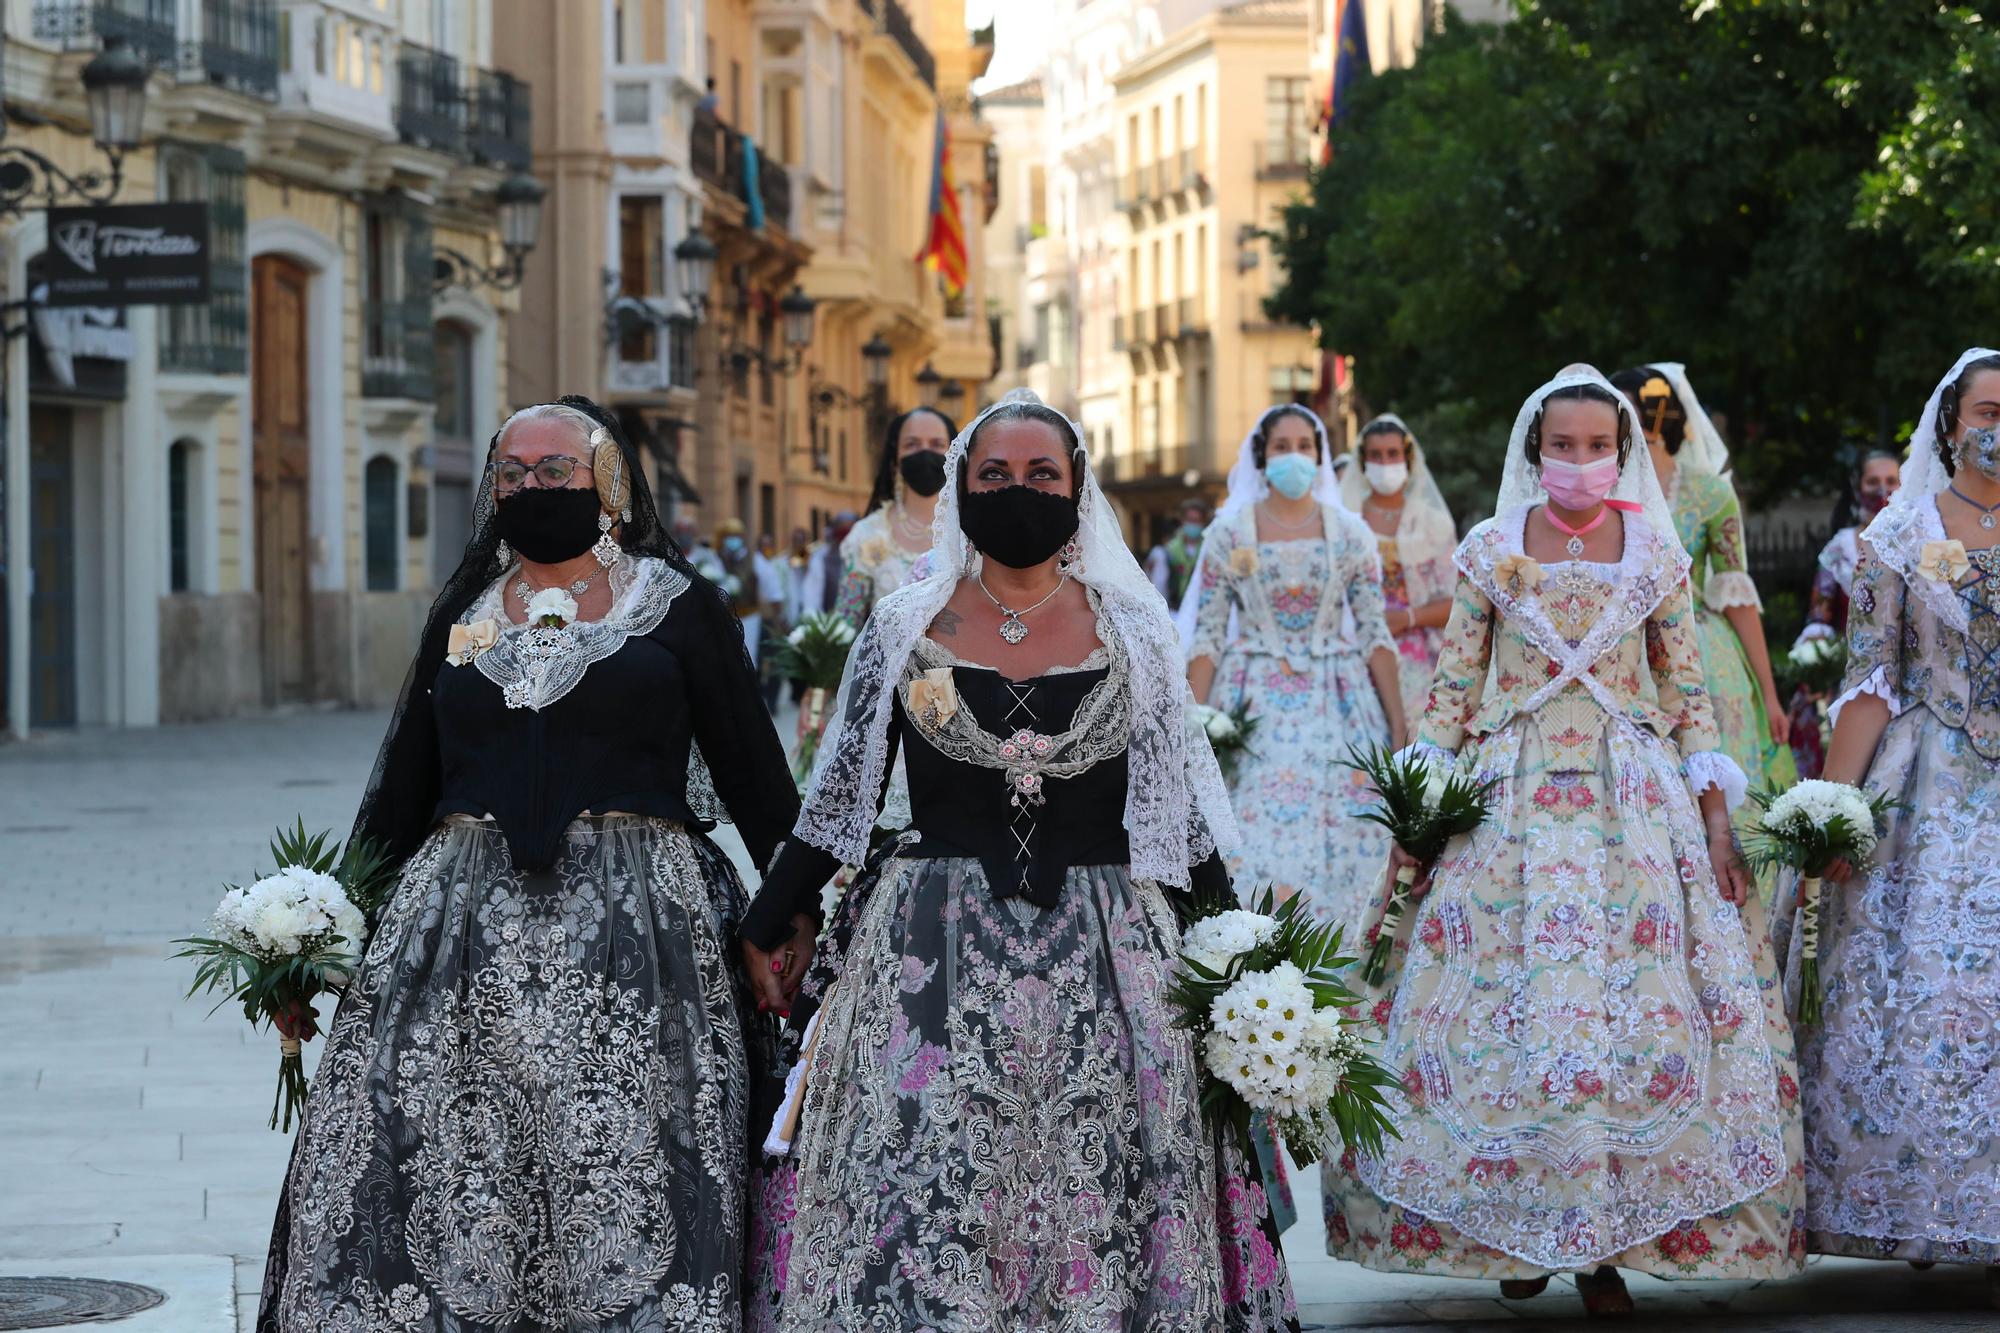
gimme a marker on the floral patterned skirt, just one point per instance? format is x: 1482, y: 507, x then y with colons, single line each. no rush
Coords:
x: 1298, y: 806
x: 1596, y: 1064
x: 532, y: 1107
x: 1902, y: 1073
x: 1001, y: 1130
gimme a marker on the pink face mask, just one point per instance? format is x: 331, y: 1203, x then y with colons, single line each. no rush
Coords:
x: 1579, y: 485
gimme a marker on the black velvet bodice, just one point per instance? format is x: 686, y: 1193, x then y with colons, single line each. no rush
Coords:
x: 619, y: 740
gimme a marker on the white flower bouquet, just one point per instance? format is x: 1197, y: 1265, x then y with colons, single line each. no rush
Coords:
x: 815, y: 653
x: 1814, y: 665
x: 1261, y: 992
x: 552, y: 607
x: 1424, y: 805
x: 1229, y: 731
x: 288, y: 937
x: 1807, y: 828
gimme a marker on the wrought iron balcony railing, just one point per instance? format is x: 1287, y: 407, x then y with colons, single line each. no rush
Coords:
x: 238, y: 47
x: 896, y: 22
x: 502, y: 116
x: 1284, y: 158
x: 396, y: 357
x: 147, y: 26
x: 430, y: 100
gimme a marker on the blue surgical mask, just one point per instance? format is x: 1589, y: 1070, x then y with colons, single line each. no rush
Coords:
x: 733, y: 545
x: 1190, y: 531
x: 1291, y: 475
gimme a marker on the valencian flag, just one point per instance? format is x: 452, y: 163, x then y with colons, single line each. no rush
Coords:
x: 944, y: 243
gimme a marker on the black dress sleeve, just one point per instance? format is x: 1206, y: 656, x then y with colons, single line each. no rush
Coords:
x: 793, y: 883
x: 734, y: 729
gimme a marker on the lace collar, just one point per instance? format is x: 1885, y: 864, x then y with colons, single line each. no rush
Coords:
x: 1897, y: 537
x: 939, y: 655
x: 535, y: 665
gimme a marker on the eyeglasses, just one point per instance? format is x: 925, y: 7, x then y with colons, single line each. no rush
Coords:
x: 552, y: 473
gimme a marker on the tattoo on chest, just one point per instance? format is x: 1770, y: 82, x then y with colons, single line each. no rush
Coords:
x: 947, y: 623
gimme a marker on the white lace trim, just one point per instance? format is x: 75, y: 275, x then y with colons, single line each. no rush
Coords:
x: 1897, y: 538
x: 1731, y: 587
x: 775, y: 1142
x: 1713, y: 768
x: 1876, y: 684
x: 535, y: 665
x: 1840, y: 556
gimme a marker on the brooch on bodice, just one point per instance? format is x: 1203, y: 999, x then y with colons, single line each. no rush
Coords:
x: 1025, y: 754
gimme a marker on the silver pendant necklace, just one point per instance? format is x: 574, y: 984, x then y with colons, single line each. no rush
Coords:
x: 1011, y: 628
x: 1986, y: 513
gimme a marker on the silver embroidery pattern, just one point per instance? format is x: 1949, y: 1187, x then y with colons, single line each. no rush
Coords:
x: 1001, y: 1130
x: 535, y: 665
x: 532, y: 1103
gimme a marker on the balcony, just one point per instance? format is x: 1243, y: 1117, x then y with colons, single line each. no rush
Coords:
x: 715, y: 151
x: 896, y: 22
x: 656, y: 360
x: 238, y: 48
x: 1284, y: 159
x: 337, y: 75
x: 1140, y: 187
x: 430, y: 100
x: 396, y: 358
x: 1185, y: 170
x: 1190, y: 318
x: 147, y: 26
x: 502, y: 117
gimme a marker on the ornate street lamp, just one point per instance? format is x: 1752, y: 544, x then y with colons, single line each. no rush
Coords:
x: 875, y: 354
x: 928, y: 381
x: 520, y: 207
x: 952, y: 393
x: 114, y: 85
x: 694, y: 265
x: 796, y: 309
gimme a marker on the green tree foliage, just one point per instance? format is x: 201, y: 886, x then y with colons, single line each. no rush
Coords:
x: 1798, y: 198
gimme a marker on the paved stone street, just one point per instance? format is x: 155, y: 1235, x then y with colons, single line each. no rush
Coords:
x: 133, y: 1143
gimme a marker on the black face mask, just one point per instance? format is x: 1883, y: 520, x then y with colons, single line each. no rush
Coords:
x: 923, y: 471
x: 549, y: 526
x: 1019, y: 526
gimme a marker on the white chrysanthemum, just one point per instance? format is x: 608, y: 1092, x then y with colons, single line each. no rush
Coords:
x: 1219, y: 725
x: 1434, y: 784
x: 285, y: 912
x: 1815, y: 803
x: 1814, y: 652
x: 551, y: 602
x: 1214, y: 941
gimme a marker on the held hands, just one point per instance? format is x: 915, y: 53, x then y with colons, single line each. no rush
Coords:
x: 1732, y: 877
x: 776, y: 976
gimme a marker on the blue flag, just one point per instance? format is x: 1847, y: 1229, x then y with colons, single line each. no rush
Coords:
x: 753, y: 186
x: 1350, y: 61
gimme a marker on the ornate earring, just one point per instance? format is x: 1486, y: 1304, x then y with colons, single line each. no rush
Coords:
x: 1069, y: 557
x: 504, y: 554
x: 606, y: 547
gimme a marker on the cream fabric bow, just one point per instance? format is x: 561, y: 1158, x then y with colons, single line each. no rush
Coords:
x: 469, y: 641
x: 1243, y: 561
x: 1518, y: 574
x: 933, y: 695
x: 1944, y: 562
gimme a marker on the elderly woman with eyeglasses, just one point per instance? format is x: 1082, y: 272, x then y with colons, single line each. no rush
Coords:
x: 533, y: 1104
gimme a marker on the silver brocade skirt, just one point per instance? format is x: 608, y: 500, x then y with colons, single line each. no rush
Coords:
x: 1001, y: 1130
x: 533, y: 1105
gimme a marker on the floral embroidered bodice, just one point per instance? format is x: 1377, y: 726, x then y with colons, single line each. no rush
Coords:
x: 1709, y: 522
x: 873, y: 564
x: 1921, y: 642
x: 1573, y: 644
x: 1296, y: 600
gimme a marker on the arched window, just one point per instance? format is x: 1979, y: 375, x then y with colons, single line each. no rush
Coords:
x: 180, y: 514
x: 378, y: 502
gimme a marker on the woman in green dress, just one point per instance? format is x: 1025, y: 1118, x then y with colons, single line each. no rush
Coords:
x: 1689, y: 456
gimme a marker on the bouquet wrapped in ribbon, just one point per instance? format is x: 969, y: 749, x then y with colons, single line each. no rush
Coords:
x: 1807, y: 828
x: 1261, y: 991
x: 287, y: 938
x: 1229, y: 731
x: 1424, y: 805
x: 814, y: 654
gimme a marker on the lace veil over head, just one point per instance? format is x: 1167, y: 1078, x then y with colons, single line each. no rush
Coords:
x: 1638, y: 484
x: 1702, y: 449
x: 1924, y: 476
x: 1176, y: 808
x: 1426, y: 524
x: 1247, y: 486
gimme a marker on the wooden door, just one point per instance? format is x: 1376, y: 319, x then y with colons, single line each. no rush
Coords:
x: 281, y: 450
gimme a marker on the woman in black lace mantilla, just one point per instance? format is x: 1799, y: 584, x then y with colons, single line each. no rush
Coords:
x: 533, y: 1105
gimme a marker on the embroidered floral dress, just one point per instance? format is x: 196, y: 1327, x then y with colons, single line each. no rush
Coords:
x: 1710, y: 526
x: 1902, y: 1074
x: 1000, y: 1128
x: 1596, y: 1065
x: 1416, y: 647
x: 873, y: 564
x: 1307, y: 614
x: 534, y: 1100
